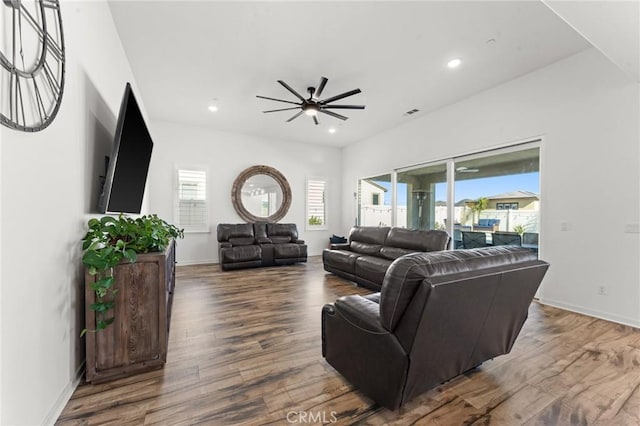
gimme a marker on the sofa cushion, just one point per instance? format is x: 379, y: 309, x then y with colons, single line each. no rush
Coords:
x: 289, y: 251
x: 372, y: 268
x: 242, y: 241
x: 240, y: 254
x: 393, y: 253
x: 280, y: 239
x: 343, y: 260
x: 229, y: 230
x: 289, y: 230
x: 365, y: 248
x: 369, y: 234
x: 417, y: 239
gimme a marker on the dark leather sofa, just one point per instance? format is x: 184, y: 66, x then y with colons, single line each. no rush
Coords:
x: 370, y: 250
x: 437, y: 316
x: 248, y: 245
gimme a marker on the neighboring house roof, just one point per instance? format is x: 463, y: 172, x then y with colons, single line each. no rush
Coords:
x: 372, y: 183
x: 441, y: 203
x: 514, y: 194
x: 463, y: 202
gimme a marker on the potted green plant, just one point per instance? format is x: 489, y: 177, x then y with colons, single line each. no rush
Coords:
x: 315, y: 220
x: 519, y: 229
x: 111, y: 240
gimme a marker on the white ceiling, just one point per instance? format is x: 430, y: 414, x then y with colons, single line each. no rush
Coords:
x: 184, y: 54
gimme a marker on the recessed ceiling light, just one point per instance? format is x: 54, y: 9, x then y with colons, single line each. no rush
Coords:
x: 454, y: 63
x: 213, y: 108
x: 332, y: 130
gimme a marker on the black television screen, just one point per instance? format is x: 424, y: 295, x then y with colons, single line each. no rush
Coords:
x: 127, y: 172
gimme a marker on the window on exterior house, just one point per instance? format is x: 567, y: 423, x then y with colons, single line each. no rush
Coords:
x: 316, y: 204
x: 192, y: 206
x: 375, y: 199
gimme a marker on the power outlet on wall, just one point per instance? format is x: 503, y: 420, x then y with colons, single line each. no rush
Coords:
x: 602, y: 290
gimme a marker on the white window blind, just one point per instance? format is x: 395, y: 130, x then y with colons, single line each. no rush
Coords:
x: 316, y: 204
x: 192, y: 210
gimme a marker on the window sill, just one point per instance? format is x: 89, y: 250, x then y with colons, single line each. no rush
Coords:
x: 206, y: 230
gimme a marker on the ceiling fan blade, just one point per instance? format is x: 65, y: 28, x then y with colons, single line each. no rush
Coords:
x: 282, y: 109
x: 340, y: 96
x: 344, y: 106
x: 286, y: 86
x: 333, y: 114
x: 315, y: 120
x: 295, y: 116
x: 323, y: 82
x: 274, y: 99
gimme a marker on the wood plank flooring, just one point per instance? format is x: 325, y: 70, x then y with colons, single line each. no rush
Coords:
x: 245, y: 348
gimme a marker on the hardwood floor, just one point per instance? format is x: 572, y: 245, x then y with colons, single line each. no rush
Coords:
x: 244, y: 348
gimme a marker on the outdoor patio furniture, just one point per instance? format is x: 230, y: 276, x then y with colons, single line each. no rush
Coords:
x: 472, y: 239
x: 530, y: 238
x: 491, y: 225
x: 457, y: 235
x: 506, y: 239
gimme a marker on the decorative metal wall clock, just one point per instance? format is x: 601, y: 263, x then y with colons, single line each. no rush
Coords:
x: 33, y: 58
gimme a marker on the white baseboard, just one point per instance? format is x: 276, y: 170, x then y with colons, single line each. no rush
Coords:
x: 198, y: 262
x: 64, y: 397
x: 633, y: 322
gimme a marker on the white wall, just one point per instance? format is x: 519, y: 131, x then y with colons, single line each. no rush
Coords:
x: 587, y: 111
x: 226, y: 155
x: 48, y: 190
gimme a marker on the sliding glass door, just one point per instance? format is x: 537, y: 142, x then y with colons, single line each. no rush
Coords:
x: 488, y: 198
x: 374, y: 201
x: 422, y: 197
x: 500, y: 194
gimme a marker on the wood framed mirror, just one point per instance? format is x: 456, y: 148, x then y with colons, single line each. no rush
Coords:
x: 261, y: 194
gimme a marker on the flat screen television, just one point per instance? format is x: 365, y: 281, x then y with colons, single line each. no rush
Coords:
x: 126, y: 175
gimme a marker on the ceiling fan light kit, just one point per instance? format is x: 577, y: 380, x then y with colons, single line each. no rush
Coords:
x: 314, y: 105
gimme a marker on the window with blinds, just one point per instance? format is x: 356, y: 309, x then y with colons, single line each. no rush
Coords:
x: 192, y: 207
x: 316, y: 204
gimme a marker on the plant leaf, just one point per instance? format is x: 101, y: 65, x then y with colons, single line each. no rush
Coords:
x: 102, y: 306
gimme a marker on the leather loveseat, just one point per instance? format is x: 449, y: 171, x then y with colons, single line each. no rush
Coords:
x: 248, y: 245
x: 370, y: 250
x: 437, y: 316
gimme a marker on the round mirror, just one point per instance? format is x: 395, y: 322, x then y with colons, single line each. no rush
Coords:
x: 261, y: 194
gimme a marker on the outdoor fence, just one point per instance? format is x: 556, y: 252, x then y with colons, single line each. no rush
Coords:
x: 509, y: 219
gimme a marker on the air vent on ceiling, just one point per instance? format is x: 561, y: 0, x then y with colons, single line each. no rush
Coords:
x: 410, y: 112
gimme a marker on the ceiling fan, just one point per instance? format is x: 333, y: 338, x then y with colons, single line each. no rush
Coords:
x: 466, y: 170
x: 314, y: 105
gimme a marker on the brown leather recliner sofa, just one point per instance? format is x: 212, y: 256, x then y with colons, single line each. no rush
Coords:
x: 371, y: 249
x: 248, y: 245
x: 437, y: 316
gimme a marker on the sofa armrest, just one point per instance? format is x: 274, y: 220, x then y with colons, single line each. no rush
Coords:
x: 299, y: 241
x: 361, y: 313
x: 225, y: 245
x: 356, y: 345
x: 264, y: 240
x: 340, y: 246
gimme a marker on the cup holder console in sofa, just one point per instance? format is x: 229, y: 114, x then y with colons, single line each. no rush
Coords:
x: 248, y: 245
